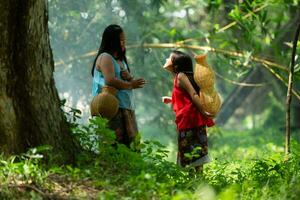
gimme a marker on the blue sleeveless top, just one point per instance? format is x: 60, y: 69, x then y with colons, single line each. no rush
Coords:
x: 125, y: 97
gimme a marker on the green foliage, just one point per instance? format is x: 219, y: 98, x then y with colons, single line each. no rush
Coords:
x: 94, y: 135
x: 17, y: 172
x: 72, y: 114
x: 24, y: 168
x: 245, y: 166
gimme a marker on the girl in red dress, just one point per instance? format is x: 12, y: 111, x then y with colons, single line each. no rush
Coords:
x: 191, y: 120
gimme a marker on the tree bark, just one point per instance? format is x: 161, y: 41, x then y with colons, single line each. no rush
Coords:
x: 30, y: 113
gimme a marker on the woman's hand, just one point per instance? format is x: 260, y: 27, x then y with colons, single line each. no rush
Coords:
x: 137, y: 83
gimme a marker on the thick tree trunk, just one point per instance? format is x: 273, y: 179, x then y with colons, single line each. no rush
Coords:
x: 30, y: 113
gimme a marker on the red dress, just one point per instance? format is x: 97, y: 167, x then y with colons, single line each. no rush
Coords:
x: 187, y: 115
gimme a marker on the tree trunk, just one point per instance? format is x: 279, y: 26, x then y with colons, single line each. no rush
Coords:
x: 289, y: 94
x: 30, y: 113
x: 238, y: 96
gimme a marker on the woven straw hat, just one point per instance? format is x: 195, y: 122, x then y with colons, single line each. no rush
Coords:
x: 205, y: 78
x: 105, y: 104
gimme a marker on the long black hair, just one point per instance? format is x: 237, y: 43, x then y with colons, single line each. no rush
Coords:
x: 110, y: 43
x: 182, y: 62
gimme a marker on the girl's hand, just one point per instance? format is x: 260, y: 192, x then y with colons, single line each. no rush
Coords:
x: 166, y: 99
x: 125, y: 75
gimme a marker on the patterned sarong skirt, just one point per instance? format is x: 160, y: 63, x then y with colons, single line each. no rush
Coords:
x: 192, y: 147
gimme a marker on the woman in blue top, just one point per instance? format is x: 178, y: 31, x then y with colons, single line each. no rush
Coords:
x: 110, y: 68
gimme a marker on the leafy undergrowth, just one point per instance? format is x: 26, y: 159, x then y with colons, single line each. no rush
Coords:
x: 241, y: 168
